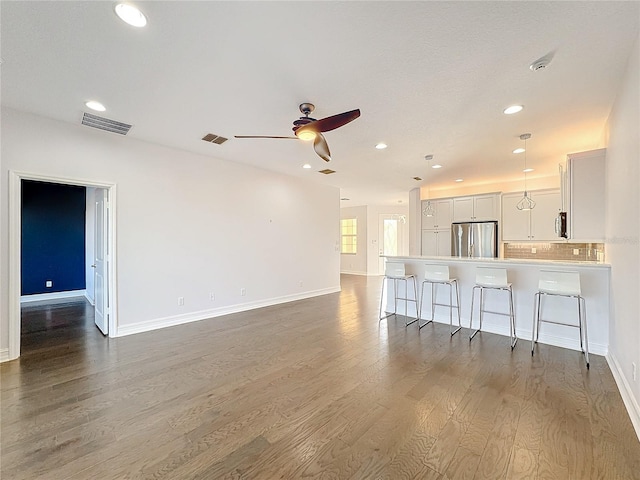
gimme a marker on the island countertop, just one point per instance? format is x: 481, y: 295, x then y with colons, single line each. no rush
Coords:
x: 523, y: 274
x: 505, y: 261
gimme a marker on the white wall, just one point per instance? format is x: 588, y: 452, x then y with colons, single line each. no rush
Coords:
x: 187, y: 224
x: 622, y: 242
x: 356, y: 264
x: 373, y: 222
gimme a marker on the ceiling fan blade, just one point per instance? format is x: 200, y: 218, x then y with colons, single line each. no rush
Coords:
x: 331, y: 123
x: 263, y: 136
x: 322, y: 148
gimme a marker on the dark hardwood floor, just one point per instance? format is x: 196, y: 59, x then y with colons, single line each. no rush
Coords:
x: 310, y: 389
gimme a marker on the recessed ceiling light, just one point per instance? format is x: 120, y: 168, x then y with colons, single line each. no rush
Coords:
x: 131, y: 15
x: 306, y: 165
x: 527, y: 170
x: 437, y: 165
x: 459, y: 179
x: 97, y: 106
x: 519, y: 150
x: 381, y: 146
x: 513, y: 109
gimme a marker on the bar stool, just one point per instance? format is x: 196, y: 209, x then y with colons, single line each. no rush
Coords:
x: 488, y: 278
x: 439, y: 275
x: 395, y: 271
x: 560, y: 284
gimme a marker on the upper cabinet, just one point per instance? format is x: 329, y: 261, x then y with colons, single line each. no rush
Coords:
x: 586, y: 185
x: 442, y: 217
x: 477, y: 208
x: 533, y: 225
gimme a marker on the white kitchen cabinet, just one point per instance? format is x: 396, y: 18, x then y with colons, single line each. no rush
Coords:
x: 443, y: 214
x: 436, y: 242
x: 586, y: 185
x: 436, y: 230
x: 530, y: 225
x: 476, y: 208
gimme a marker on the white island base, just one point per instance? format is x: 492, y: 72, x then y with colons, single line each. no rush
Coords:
x: 523, y: 274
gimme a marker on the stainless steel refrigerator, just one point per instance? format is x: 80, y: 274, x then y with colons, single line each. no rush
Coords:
x: 474, y: 239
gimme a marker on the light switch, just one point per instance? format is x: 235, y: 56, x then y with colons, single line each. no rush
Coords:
x: 576, y: 251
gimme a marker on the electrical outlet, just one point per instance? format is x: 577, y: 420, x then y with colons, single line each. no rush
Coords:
x: 180, y: 301
x: 633, y: 370
x: 534, y: 250
x: 243, y: 292
x: 212, y: 296
x: 48, y: 284
x: 576, y: 251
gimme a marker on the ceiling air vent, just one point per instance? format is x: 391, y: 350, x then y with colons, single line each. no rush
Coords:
x: 213, y: 138
x: 417, y: 178
x: 102, y: 123
x: 327, y: 171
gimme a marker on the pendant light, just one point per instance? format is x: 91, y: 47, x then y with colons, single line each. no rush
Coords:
x: 429, y: 210
x: 525, y: 203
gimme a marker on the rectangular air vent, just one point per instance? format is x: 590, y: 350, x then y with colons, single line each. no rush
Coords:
x: 326, y: 171
x: 102, y: 123
x: 213, y: 138
x: 417, y: 178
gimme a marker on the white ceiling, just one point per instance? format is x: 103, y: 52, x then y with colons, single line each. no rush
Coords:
x: 429, y: 78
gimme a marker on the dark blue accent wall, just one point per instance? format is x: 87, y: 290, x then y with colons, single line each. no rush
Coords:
x: 53, y: 240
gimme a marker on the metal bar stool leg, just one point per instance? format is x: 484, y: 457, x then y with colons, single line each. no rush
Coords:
x: 583, y: 318
x: 422, y: 293
x: 512, y: 321
x: 536, y: 317
x: 458, y: 306
x: 406, y: 301
x: 395, y: 296
x: 473, y: 332
x: 380, y: 317
x: 452, y: 332
x: 481, y: 306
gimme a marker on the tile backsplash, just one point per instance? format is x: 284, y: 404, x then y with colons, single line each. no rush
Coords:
x: 584, y: 252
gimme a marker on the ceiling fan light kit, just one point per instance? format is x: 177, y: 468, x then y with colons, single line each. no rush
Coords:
x: 307, y: 128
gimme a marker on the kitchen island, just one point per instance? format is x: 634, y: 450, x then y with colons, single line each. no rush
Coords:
x: 523, y: 274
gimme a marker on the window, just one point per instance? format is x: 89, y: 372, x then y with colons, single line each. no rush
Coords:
x: 349, y: 235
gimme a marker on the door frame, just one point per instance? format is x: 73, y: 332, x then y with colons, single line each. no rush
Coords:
x: 381, y: 218
x: 15, y: 246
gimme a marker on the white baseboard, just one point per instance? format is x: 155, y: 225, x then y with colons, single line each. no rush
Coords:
x: 349, y: 272
x: 174, y: 320
x: 52, y: 296
x: 91, y: 300
x: 4, y: 355
x: 633, y: 408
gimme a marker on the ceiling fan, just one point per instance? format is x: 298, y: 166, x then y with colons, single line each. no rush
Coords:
x: 307, y: 128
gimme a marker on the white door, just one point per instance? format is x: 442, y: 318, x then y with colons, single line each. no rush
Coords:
x: 100, y: 264
x: 389, y: 238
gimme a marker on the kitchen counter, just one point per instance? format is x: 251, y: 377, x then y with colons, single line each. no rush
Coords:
x: 523, y: 274
x: 505, y: 261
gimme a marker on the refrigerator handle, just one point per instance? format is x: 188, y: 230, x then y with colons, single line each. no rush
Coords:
x: 471, y: 250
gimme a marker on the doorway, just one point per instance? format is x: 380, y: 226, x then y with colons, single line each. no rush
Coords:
x: 390, y: 236
x: 104, y: 266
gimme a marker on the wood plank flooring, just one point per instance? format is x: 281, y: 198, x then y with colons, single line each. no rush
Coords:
x: 310, y: 389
